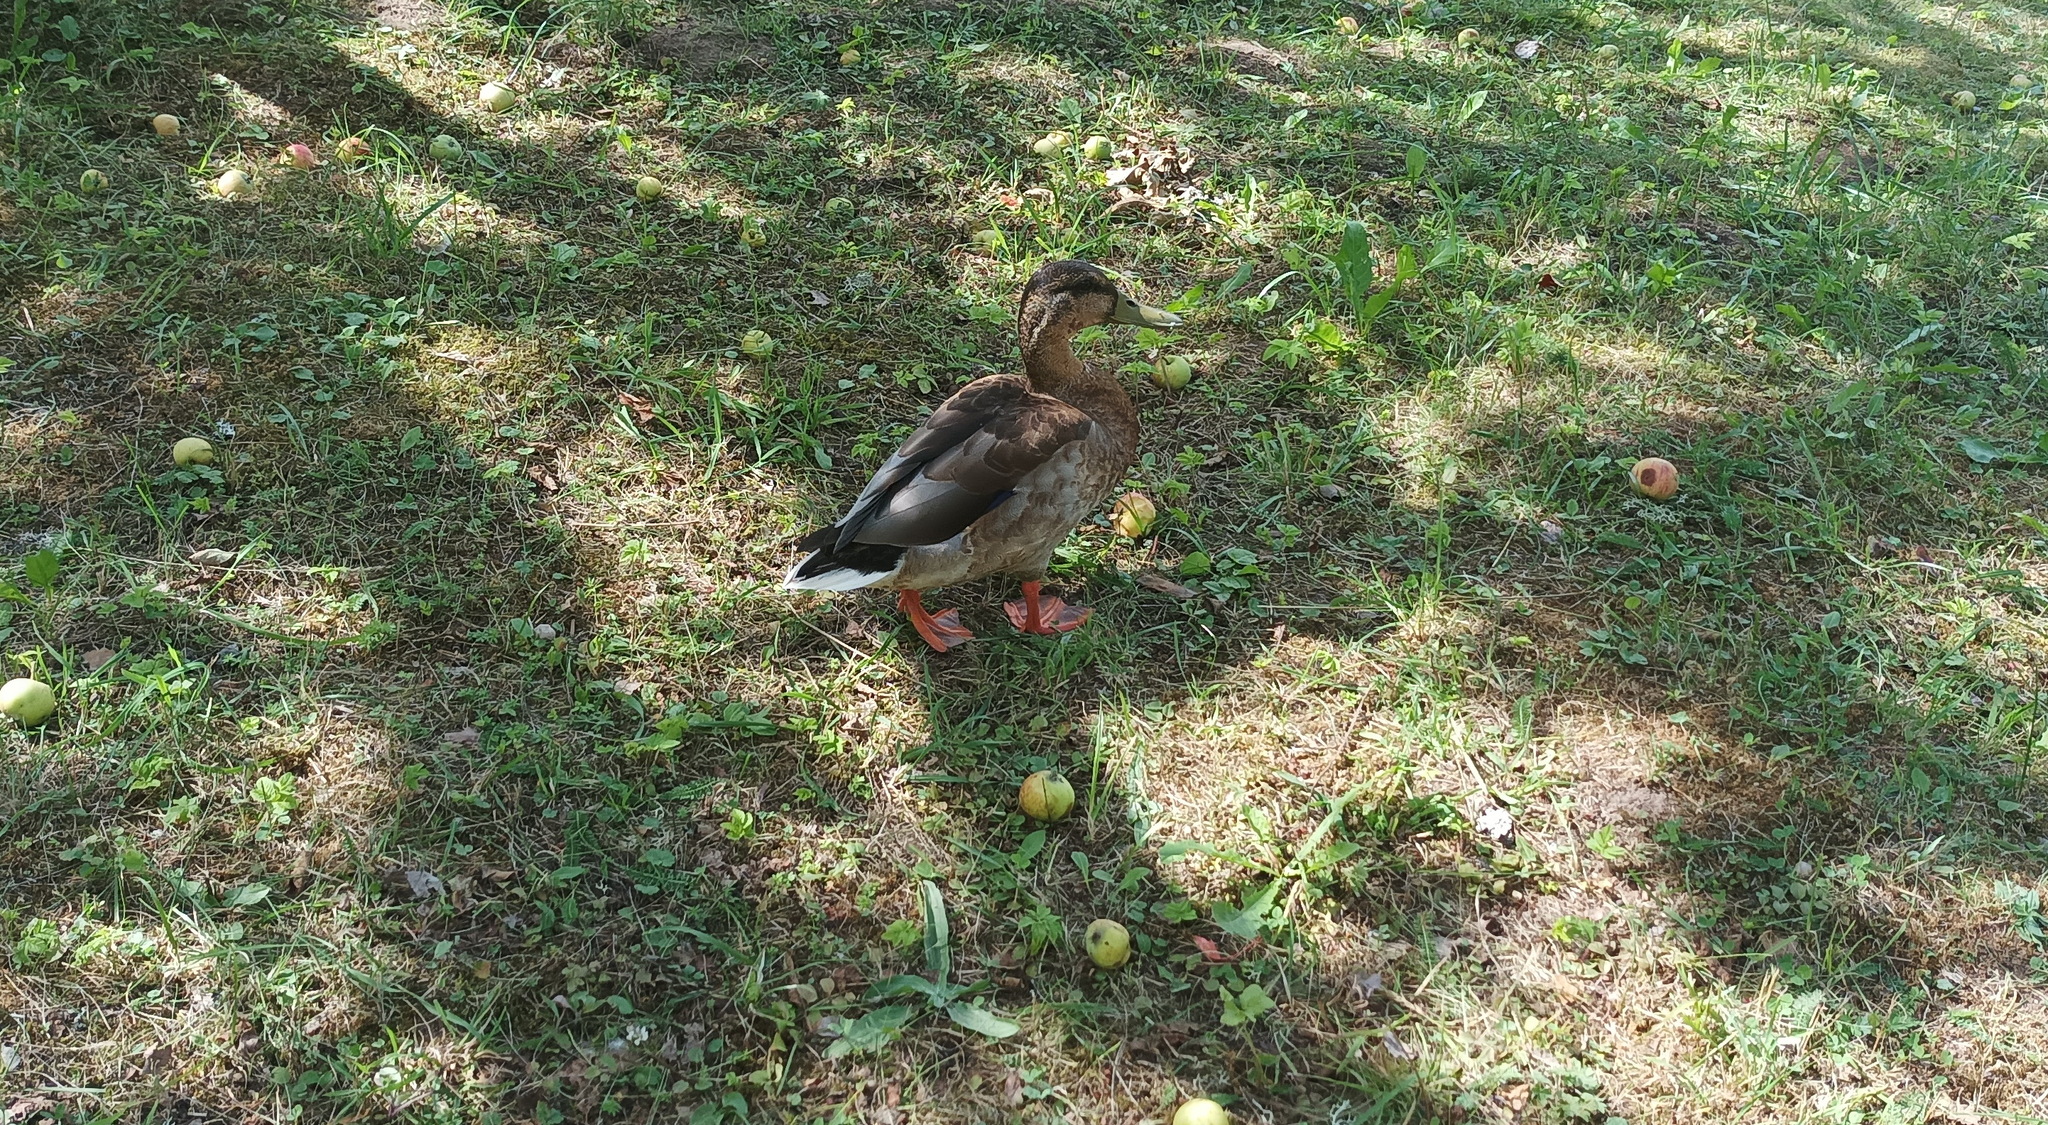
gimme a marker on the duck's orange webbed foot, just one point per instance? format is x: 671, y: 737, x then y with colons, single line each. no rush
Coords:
x: 1044, y: 614
x: 941, y: 630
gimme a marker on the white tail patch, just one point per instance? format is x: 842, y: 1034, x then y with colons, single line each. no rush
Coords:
x: 838, y: 579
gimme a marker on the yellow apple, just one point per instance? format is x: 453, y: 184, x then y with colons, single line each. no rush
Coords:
x: 1133, y: 515
x: 1109, y: 944
x: 1200, y: 1111
x: 1046, y: 796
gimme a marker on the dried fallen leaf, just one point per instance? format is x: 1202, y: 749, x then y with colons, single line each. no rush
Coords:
x: 643, y: 410
x: 1161, y: 584
x: 25, y: 1109
x: 1566, y: 988
x: 425, y: 884
x: 211, y: 556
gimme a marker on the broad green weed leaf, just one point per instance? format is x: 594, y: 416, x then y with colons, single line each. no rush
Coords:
x: 975, y: 1018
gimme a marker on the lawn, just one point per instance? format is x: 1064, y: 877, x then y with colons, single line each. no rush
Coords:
x: 446, y: 749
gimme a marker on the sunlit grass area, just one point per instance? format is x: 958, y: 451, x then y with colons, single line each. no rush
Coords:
x: 446, y: 750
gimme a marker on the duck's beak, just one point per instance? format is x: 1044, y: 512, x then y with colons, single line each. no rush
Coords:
x: 1129, y: 311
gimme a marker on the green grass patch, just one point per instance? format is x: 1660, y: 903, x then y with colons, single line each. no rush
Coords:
x: 446, y: 750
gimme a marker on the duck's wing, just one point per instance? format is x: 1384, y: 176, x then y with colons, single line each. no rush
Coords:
x: 962, y: 462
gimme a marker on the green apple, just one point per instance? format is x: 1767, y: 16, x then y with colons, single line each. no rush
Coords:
x: 1109, y: 944
x: 192, y: 451
x: 27, y: 702
x: 1172, y: 373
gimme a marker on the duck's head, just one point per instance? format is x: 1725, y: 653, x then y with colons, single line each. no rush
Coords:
x: 1071, y: 295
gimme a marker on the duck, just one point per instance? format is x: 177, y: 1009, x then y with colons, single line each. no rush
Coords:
x: 998, y: 475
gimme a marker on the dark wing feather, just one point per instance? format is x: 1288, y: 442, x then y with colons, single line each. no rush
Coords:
x: 964, y: 460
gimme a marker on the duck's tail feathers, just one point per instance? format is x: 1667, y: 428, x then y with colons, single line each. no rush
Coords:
x: 854, y: 567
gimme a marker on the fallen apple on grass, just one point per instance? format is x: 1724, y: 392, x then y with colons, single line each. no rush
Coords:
x: 1046, y: 796
x: 28, y: 702
x: 1655, y: 478
x: 1172, y: 373
x: 1200, y: 1111
x: 1109, y: 944
x: 192, y: 451
x: 1133, y: 515
x: 1050, y: 143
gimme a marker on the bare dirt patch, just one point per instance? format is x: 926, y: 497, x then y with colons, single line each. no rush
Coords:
x: 696, y: 48
x: 1246, y: 56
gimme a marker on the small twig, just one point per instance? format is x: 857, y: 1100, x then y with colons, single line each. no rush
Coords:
x: 850, y: 650
x: 1564, y: 822
x: 1477, y: 777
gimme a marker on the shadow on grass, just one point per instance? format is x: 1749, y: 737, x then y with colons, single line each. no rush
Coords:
x: 594, y: 880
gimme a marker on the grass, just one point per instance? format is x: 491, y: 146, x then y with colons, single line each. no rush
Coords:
x: 446, y: 751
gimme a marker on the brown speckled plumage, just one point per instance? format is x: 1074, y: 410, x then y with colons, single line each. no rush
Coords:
x: 1002, y: 471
